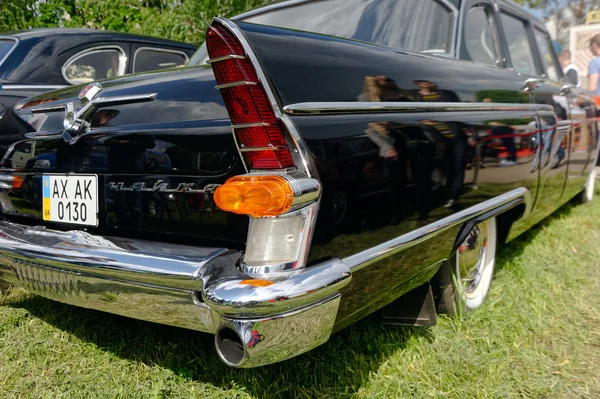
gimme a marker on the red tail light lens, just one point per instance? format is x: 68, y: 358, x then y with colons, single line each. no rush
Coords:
x: 247, y: 104
x: 260, y: 136
x: 221, y: 43
x: 233, y: 70
x: 263, y: 146
x: 277, y: 159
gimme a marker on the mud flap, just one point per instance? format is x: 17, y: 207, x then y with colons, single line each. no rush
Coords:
x: 416, y: 308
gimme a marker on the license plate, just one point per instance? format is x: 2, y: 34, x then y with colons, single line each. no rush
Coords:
x: 71, y: 199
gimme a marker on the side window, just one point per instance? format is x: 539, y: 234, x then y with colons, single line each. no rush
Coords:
x: 546, y: 54
x: 151, y: 59
x: 416, y: 25
x: 479, y: 43
x: 519, y: 46
x: 94, y: 64
x: 6, y: 47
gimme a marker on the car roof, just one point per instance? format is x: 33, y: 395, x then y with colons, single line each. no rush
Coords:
x: 44, y: 33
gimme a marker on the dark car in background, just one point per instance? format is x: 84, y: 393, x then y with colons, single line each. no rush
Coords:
x: 39, y: 60
x: 315, y: 162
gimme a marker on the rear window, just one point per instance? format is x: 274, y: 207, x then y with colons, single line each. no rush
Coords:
x: 416, y: 25
x: 152, y: 59
x: 6, y: 46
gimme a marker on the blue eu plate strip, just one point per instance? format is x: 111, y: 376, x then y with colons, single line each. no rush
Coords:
x: 46, y: 183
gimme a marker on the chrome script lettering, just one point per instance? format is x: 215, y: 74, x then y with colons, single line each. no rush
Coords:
x: 162, y: 187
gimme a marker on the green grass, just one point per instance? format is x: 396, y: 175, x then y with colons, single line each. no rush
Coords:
x: 538, y: 336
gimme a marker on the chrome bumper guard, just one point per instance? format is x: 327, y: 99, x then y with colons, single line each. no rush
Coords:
x: 256, y: 320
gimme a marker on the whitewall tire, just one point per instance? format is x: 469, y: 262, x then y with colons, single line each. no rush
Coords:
x: 587, y: 195
x: 465, y: 279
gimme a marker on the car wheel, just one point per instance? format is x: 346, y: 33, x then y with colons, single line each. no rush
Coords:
x: 587, y: 195
x: 464, y: 280
x: 339, y: 206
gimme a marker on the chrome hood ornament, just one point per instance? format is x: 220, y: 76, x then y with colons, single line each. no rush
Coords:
x: 89, y: 92
x: 77, y: 122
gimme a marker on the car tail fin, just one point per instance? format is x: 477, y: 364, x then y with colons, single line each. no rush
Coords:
x: 258, y: 133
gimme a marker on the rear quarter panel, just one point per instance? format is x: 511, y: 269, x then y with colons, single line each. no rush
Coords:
x: 446, y: 160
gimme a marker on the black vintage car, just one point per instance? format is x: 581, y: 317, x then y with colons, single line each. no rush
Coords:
x: 316, y: 161
x: 40, y: 60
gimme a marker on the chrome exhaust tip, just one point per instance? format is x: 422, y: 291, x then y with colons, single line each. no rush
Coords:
x: 245, y: 343
x: 230, y: 346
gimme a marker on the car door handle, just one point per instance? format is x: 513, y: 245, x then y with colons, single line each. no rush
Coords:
x: 532, y: 83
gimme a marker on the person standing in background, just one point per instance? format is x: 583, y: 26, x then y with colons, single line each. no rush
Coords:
x: 594, y: 69
x: 570, y: 70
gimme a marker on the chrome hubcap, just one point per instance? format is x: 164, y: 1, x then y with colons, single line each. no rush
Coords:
x: 472, y: 257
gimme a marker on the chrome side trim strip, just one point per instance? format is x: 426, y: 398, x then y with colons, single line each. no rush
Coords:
x: 365, y: 258
x: 32, y: 87
x: 225, y: 58
x: 338, y: 108
x: 234, y: 84
x: 16, y: 43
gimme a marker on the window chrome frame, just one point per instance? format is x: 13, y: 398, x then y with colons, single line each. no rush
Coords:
x: 277, y: 6
x: 93, y: 50
x: 538, y: 50
x: 503, y: 10
x: 444, y: 3
x: 489, y: 7
x: 158, y: 50
x: 16, y: 42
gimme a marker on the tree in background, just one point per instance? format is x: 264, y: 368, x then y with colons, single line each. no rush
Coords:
x: 183, y: 20
x: 564, y: 13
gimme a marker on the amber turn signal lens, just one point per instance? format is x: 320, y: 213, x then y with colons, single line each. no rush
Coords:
x: 17, y: 182
x: 257, y: 196
x: 257, y: 283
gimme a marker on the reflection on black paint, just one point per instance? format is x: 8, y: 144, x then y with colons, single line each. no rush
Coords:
x: 416, y: 169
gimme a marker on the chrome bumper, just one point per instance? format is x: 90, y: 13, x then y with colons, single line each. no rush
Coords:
x: 256, y: 319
